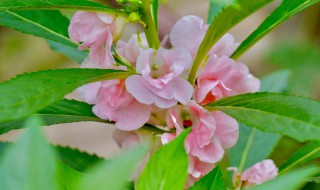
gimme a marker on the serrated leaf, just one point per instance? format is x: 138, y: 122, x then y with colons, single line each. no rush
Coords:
x: 284, y: 11
x: 113, y: 174
x: 222, y: 23
x: 54, y: 4
x: 289, y: 115
x: 65, y: 111
x: 167, y: 168
x: 306, y: 153
x: 29, y: 93
x: 76, y: 159
x: 293, y: 180
x: 29, y: 164
x: 248, y: 149
x: 211, y: 181
x: 69, y: 51
x: 216, y: 6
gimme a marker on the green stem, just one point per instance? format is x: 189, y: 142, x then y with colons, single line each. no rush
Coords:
x: 195, y: 66
x: 150, y: 28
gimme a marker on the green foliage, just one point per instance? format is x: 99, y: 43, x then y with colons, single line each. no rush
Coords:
x: 283, y: 12
x: 293, y: 180
x: 306, y: 153
x: 303, y: 61
x: 222, y: 23
x: 54, y: 4
x: 288, y: 115
x: 65, y: 111
x: 167, y: 168
x: 211, y: 181
x: 30, y: 163
x: 155, y: 7
x: 216, y: 6
x: 112, y: 174
x: 29, y: 93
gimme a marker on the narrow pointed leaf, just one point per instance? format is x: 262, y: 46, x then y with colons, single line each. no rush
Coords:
x: 167, y: 168
x: 248, y: 149
x: 29, y: 93
x: 113, y: 174
x: 216, y: 6
x: 293, y: 180
x: 286, y: 10
x: 54, y: 4
x: 289, y: 115
x: 70, y: 51
x: 29, y: 164
x: 306, y: 153
x: 222, y: 23
x: 211, y: 181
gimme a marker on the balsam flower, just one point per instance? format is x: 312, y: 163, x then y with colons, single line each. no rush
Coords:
x: 189, y: 31
x: 223, y: 77
x: 211, y: 134
x: 97, y: 32
x: 257, y: 174
x: 161, y: 81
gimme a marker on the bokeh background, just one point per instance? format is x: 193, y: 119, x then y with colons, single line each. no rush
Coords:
x: 294, y: 46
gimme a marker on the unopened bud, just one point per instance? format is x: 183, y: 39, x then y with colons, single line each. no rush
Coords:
x: 134, y: 17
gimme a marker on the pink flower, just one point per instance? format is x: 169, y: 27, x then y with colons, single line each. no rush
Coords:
x: 96, y: 31
x: 130, y: 50
x: 189, y: 31
x: 211, y: 134
x: 160, y: 82
x: 114, y: 103
x: 223, y: 77
x: 260, y: 173
x: 257, y: 174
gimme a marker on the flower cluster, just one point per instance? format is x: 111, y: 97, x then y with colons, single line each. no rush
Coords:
x: 159, y: 93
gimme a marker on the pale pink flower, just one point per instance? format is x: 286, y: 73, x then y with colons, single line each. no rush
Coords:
x: 223, y: 77
x: 259, y: 173
x: 130, y: 50
x: 211, y: 134
x: 96, y: 31
x: 114, y: 103
x: 189, y: 31
x: 160, y: 82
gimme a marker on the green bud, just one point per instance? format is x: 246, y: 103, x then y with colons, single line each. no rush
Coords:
x: 134, y: 17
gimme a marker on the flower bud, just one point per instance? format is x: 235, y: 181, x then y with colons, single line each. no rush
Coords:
x: 134, y: 17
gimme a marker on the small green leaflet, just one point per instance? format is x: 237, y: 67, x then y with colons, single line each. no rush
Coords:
x: 30, y: 163
x: 167, y: 168
x: 215, y: 7
x: 113, y: 174
x: 55, y: 4
x: 211, y: 181
x: 222, y: 23
x: 29, y: 93
x: 289, y: 115
x: 65, y: 111
x: 306, y: 153
x: 293, y: 180
x: 286, y: 10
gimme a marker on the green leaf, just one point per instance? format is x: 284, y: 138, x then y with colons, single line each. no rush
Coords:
x: 67, y: 177
x: 76, y: 159
x: 288, y: 115
x: 286, y: 10
x: 113, y: 174
x: 155, y: 7
x: 306, y: 153
x: 55, y: 4
x: 30, y: 163
x: 29, y: 93
x: 293, y: 180
x: 216, y: 6
x: 65, y: 111
x: 222, y: 23
x: 70, y: 51
x: 211, y: 181
x: 248, y: 149
x: 167, y: 168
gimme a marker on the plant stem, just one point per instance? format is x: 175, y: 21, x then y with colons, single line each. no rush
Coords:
x: 150, y: 28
